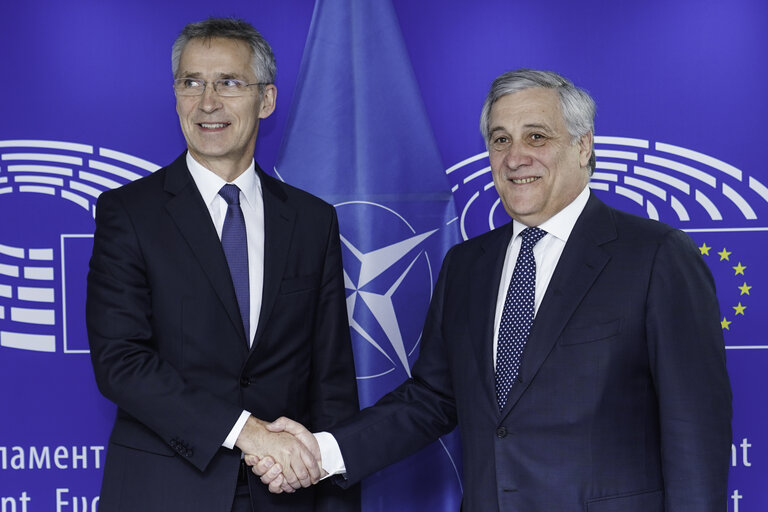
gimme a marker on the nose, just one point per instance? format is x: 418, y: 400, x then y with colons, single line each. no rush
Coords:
x: 516, y: 156
x: 210, y: 101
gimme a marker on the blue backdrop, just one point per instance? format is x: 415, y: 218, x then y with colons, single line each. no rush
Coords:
x: 378, y: 111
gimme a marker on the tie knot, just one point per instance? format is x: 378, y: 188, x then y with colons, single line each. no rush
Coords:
x: 230, y: 193
x: 531, y: 236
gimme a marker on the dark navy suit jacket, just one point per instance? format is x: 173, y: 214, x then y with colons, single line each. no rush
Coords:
x: 623, y: 402
x: 169, y: 348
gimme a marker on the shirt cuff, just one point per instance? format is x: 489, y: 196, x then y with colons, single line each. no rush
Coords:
x: 231, y: 439
x: 330, y: 453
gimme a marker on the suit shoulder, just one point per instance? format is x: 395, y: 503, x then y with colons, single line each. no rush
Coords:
x: 139, y: 195
x: 628, y: 224
x: 477, y: 243
x: 139, y: 189
x: 640, y: 230
x: 297, y: 196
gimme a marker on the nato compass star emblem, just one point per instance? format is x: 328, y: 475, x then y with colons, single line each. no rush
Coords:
x: 388, y: 278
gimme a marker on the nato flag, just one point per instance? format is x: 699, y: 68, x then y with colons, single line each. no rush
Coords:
x: 358, y: 136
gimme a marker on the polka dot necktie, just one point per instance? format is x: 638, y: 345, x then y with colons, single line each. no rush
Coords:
x: 235, y: 244
x: 517, y: 316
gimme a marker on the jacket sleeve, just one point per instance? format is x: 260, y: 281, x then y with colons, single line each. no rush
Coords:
x: 333, y: 382
x: 687, y: 358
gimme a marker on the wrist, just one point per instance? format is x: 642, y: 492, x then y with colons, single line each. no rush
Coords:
x: 251, y: 438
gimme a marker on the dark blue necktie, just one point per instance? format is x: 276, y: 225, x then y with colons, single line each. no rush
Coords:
x: 235, y: 243
x: 517, y: 316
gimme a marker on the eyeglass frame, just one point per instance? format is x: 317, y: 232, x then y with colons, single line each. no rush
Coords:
x: 241, y: 85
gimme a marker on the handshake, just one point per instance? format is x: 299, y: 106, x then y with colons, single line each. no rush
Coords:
x: 284, y: 454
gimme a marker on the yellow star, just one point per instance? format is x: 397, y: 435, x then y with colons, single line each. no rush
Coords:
x: 704, y: 249
x: 725, y: 324
x: 744, y: 289
x: 740, y: 309
x: 724, y: 254
x: 739, y: 269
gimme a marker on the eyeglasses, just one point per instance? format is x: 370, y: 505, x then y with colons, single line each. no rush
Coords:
x: 228, y: 87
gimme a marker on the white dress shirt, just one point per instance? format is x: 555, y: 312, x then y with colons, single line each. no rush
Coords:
x: 546, y: 253
x: 252, y: 205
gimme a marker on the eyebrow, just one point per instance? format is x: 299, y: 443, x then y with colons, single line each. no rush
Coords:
x: 220, y: 76
x: 537, y: 126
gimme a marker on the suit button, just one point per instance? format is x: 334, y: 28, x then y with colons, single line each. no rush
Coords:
x: 245, y: 382
x: 501, y: 432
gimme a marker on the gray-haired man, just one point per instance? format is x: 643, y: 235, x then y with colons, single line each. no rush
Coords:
x: 578, y: 348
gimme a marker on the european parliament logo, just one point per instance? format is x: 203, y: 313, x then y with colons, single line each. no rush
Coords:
x: 717, y: 204
x: 48, y: 193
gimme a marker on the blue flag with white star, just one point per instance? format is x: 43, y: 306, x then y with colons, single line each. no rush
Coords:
x: 358, y: 136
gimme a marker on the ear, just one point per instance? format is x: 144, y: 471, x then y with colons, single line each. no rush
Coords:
x: 586, y: 144
x: 268, y: 101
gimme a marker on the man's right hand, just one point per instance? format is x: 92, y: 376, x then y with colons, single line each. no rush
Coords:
x: 300, y: 467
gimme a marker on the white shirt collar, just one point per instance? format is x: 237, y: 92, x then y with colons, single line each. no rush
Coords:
x: 209, y: 183
x: 560, y: 224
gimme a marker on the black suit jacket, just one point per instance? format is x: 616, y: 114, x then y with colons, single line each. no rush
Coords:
x: 169, y: 348
x: 623, y: 402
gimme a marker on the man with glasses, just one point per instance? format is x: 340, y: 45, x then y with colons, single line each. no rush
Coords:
x: 216, y: 303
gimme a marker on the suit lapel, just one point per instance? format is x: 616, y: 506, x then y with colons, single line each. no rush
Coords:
x: 190, y: 214
x: 581, y: 262
x: 486, y: 275
x: 279, y: 219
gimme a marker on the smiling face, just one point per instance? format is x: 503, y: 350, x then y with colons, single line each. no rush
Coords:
x: 536, y: 170
x: 221, y: 132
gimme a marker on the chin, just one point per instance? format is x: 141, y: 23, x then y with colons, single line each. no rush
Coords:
x: 210, y: 152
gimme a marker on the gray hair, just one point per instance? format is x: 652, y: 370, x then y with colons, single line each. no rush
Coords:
x: 263, y: 60
x: 576, y: 104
